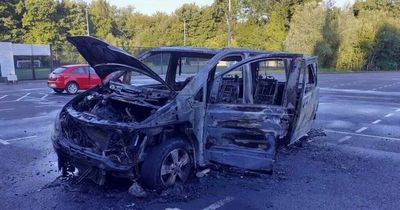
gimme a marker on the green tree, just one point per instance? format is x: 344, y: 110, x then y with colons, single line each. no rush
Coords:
x: 10, y: 20
x: 101, y: 19
x: 386, y: 48
x: 71, y: 17
x: 327, y: 48
x: 71, y: 22
x: 361, y: 37
x: 40, y: 22
x: 366, y: 6
x: 305, y: 28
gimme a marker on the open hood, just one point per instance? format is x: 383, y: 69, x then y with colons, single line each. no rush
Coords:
x: 106, y: 58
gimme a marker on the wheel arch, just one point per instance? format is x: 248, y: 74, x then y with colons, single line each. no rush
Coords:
x: 182, y: 131
x: 71, y: 81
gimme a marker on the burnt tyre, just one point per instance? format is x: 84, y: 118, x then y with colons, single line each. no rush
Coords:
x: 58, y: 90
x: 167, y: 164
x: 72, y: 88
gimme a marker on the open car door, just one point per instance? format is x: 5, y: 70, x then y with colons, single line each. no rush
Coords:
x: 240, y: 132
x: 307, y: 104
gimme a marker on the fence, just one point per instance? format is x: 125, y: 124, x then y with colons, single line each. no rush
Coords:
x: 70, y: 55
x: 32, y: 67
x: 158, y: 63
x: 36, y: 66
x: 32, y: 63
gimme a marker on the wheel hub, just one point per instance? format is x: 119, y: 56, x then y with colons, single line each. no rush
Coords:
x: 173, y: 167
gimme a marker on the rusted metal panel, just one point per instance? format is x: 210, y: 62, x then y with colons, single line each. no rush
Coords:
x: 244, y: 128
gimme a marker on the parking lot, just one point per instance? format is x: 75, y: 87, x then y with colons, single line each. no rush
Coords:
x: 350, y: 161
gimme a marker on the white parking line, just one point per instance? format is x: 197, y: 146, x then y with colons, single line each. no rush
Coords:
x: 4, y: 142
x: 23, y: 90
x: 23, y: 97
x: 398, y: 110
x: 219, y: 203
x: 361, y: 129
x: 21, y: 138
x: 363, y: 135
x: 43, y: 97
x: 389, y: 115
x: 6, y: 109
x: 344, y: 139
x: 3, y: 96
x: 376, y: 121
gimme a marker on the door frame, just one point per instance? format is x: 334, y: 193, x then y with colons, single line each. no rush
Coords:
x: 307, y: 103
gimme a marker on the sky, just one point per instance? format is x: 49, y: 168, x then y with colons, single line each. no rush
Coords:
x: 151, y: 6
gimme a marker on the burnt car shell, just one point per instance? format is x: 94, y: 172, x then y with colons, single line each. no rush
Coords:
x: 216, y: 117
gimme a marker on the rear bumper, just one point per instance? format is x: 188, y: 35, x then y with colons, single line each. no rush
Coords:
x: 55, y: 84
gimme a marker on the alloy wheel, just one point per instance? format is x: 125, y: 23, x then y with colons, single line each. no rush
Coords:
x: 175, y: 167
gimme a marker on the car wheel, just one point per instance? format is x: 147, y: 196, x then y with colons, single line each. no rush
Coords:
x: 58, y: 90
x: 167, y: 164
x: 72, y: 88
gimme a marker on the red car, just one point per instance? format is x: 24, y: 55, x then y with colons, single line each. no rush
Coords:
x: 72, y: 78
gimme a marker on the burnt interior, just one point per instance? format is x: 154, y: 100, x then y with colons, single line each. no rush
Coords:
x: 231, y: 90
x: 265, y: 87
x: 268, y: 90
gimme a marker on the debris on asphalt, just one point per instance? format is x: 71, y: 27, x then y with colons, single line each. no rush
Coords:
x: 137, y: 191
x: 316, y: 132
x: 130, y: 205
x: 202, y: 173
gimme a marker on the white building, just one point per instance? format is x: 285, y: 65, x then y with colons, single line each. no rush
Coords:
x: 26, y: 61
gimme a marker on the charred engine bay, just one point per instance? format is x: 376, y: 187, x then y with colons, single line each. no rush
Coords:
x: 123, y: 103
x: 119, y: 103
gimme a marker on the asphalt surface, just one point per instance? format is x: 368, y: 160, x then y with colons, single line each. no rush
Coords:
x: 351, y: 160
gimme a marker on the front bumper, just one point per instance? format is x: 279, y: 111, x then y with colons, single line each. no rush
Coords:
x: 80, y: 156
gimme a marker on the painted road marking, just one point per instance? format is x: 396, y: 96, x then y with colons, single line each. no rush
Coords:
x: 398, y: 110
x: 23, y: 97
x: 43, y: 97
x: 4, y: 142
x: 22, y: 90
x: 21, y: 138
x: 380, y: 93
x: 3, y: 96
x: 363, y: 135
x: 344, y: 139
x: 51, y: 105
x: 374, y: 152
x: 6, y: 109
x: 361, y: 129
x: 376, y: 121
x: 219, y: 203
x: 389, y: 115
